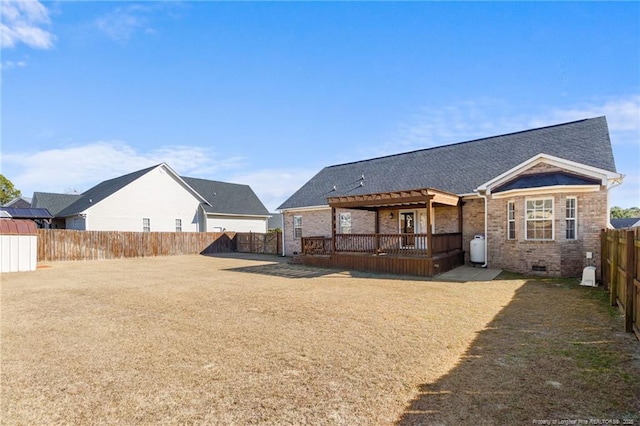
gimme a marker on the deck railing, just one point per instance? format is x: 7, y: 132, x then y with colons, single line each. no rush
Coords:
x: 316, y: 245
x: 396, y: 244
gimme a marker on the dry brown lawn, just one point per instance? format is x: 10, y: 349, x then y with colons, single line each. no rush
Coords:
x: 228, y: 340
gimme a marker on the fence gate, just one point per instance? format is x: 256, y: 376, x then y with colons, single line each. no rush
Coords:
x: 251, y: 242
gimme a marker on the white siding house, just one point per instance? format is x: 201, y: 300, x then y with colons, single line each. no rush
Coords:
x: 157, y: 196
x: 220, y: 223
x: 157, y: 199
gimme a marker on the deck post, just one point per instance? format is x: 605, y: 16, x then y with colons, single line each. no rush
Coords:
x: 429, y: 219
x: 377, y: 231
x: 333, y: 230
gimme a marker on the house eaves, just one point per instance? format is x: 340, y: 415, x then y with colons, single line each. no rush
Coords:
x: 605, y: 177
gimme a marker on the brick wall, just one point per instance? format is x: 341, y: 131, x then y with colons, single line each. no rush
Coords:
x: 560, y: 257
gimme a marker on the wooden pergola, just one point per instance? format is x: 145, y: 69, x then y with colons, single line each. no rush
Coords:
x: 424, y: 254
x: 419, y: 198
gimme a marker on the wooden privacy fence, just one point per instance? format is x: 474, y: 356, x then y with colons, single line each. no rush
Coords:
x: 621, y: 273
x: 64, y: 244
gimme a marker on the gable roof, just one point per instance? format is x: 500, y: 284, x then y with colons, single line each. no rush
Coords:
x: 459, y: 168
x: 216, y: 197
x: 19, y: 203
x: 537, y: 180
x: 102, y: 191
x: 55, y: 203
x: 228, y: 198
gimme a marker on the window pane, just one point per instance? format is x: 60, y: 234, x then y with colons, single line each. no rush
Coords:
x: 539, y: 219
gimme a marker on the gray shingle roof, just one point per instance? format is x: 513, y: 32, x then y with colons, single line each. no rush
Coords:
x: 55, y: 203
x: 459, y: 168
x: 627, y: 222
x: 228, y: 198
x: 19, y: 203
x: 275, y: 221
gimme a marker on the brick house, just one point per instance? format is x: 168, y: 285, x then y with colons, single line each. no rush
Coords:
x: 539, y: 197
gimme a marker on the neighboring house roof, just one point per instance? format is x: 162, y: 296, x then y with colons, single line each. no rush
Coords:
x: 459, y: 168
x: 102, y: 191
x: 27, y: 213
x: 55, y: 203
x: 275, y: 221
x: 228, y: 198
x: 628, y: 222
x: 216, y: 197
x: 19, y: 203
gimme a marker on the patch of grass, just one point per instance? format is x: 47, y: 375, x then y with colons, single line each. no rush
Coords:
x: 603, y: 298
x: 506, y: 275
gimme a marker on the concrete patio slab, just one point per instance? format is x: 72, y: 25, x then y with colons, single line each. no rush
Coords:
x: 468, y: 273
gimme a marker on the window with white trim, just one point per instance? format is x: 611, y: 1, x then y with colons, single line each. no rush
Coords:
x: 344, y: 223
x: 511, y: 220
x: 178, y: 225
x: 146, y: 224
x: 539, y: 219
x: 297, y: 227
x: 571, y: 216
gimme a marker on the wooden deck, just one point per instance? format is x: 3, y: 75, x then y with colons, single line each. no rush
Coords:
x: 385, y: 253
x: 387, y: 264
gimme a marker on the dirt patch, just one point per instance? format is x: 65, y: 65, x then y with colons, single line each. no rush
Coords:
x: 220, y: 340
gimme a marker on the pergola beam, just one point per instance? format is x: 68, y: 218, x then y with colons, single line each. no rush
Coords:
x: 394, y: 198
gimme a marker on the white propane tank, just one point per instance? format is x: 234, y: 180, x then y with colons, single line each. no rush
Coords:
x: 477, y: 254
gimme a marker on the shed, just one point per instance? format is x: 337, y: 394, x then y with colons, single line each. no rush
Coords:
x: 18, y: 245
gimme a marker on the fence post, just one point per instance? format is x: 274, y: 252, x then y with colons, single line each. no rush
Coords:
x: 613, y: 272
x: 631, y: 263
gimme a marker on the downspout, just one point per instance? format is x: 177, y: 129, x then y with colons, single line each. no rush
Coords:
x: 486, y: 235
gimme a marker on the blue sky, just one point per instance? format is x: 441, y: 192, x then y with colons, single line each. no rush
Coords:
x: 268, y: 93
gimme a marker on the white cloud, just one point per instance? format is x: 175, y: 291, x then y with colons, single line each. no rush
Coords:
x: 22, y: 22
x: 623, y: 115
x: 274, y: 186
x: 7, y: 65
x: 123, y: 23
x: 468, y: 120
x: 81, y: 167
